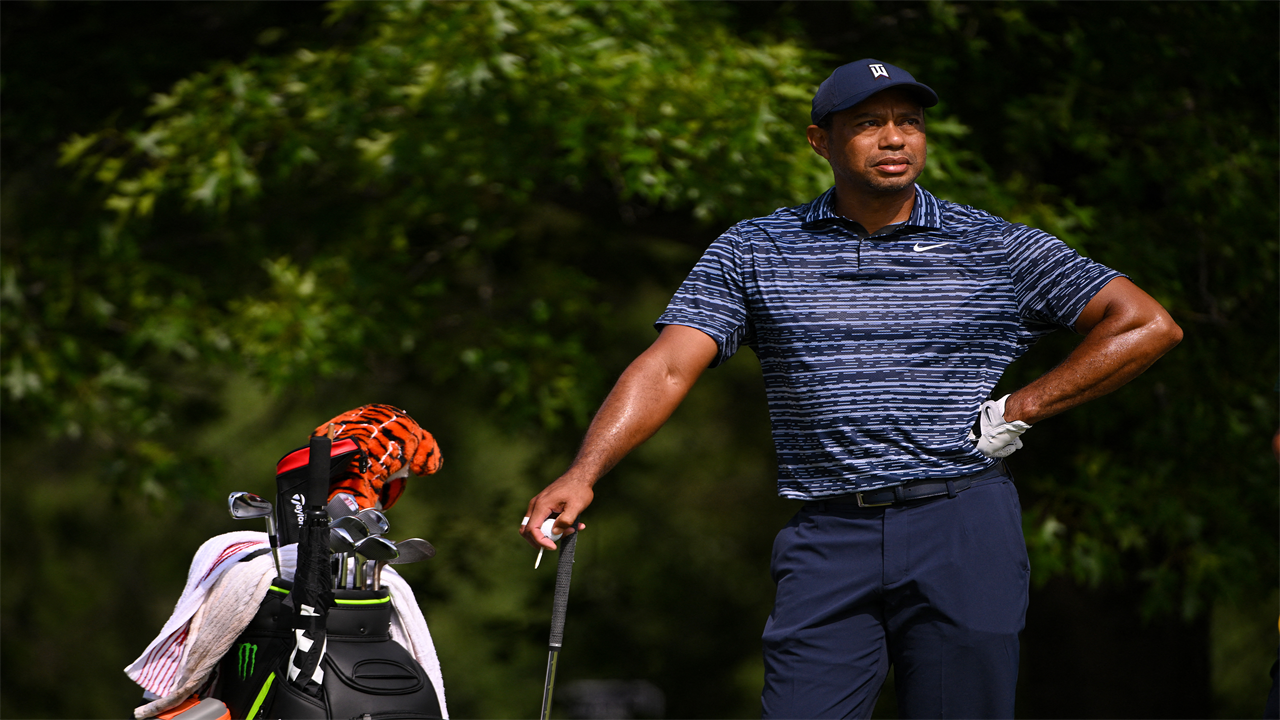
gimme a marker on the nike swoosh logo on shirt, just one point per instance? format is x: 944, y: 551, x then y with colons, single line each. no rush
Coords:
x: 918, y: 248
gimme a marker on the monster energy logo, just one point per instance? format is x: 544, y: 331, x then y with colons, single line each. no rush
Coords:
x: 248, y: 654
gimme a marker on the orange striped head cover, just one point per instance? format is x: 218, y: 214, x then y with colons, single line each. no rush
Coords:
x: 392, y: 444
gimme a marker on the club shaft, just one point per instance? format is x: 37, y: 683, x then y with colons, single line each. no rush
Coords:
x: 274, y: 540
x: 552, y: 659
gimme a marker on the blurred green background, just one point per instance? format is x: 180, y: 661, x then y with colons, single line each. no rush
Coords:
x: 223, y: 223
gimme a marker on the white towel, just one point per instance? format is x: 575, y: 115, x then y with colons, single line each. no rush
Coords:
x: 409, y: 628
x: 213, y: 629
x: 213, y: 610
x: 157, y: 669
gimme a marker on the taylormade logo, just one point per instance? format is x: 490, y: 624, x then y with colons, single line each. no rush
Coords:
x: 297, y: 501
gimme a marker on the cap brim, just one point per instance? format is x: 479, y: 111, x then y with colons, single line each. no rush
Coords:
x: 923, y: 93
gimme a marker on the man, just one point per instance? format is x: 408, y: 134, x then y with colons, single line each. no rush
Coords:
x: 883, y: 317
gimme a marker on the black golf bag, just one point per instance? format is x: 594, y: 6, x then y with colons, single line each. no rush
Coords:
x: 366, y: 673
x: 336, y: 644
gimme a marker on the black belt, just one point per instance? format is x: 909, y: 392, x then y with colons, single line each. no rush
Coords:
x: 916, y: 490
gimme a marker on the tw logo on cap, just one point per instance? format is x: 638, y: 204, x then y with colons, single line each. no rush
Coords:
x: 878, y: 71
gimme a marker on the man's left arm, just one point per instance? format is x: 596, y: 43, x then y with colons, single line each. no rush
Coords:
x: 1125, y: 331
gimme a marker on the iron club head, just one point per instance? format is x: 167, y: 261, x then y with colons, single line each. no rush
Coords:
x: 352, y: 525
x: 246, y: 506
x: 340, y: 541
x: 413, y: 550
x: 341, y: 505
x: 374, y: 520
x: 376, y: 547
x: 373, y: 548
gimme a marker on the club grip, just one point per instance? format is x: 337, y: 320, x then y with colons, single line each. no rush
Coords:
x: 560, y: 604
x: 318, y: 471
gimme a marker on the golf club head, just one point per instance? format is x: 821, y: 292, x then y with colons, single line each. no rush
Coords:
x: 352, y: 524
x: 342, y: 505
x: 376, y: 547
x: 340, y: 541
x: 413, y: 550
x: 246, y: 506
x: 374, y: 520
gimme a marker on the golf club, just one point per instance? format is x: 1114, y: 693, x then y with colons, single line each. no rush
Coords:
x: 559, y: 607
x: 341, y: 505
x: 246, y: 506
x: 374, y: 547
x: 411, y: 551
x: 356, y: 529
x: 339, y: 570
x: 374, y: 520
x: 340, y: 543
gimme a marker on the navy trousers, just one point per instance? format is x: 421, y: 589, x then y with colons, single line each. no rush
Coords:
x: 1271, y: 711
x: 936, y: 587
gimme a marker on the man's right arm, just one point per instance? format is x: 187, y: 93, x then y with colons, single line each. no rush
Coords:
x: 650, y: 389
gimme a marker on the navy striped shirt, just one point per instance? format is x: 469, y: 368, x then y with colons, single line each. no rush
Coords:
x: 877, y: 350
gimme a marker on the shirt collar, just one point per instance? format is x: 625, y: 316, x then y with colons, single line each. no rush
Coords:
x: 927, y: 212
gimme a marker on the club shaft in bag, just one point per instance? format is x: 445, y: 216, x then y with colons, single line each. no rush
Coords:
x: 559, y: 607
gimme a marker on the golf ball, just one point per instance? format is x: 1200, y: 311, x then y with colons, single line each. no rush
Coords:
x: 546, y: 529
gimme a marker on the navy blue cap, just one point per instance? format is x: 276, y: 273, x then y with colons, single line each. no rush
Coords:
x: 852, y: 83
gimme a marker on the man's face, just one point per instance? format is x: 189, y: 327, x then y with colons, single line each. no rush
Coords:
x: 878, y: 145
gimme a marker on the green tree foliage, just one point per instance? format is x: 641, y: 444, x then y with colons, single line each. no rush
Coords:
x: 413, y: 176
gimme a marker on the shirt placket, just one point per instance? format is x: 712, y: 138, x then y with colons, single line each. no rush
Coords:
x: 876, y: 253
x: 857, y: 238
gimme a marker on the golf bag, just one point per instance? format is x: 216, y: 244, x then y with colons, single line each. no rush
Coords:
x: 366, y: 673
x: 311, y: 651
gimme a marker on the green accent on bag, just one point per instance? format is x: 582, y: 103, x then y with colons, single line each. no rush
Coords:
x: 262, y: 695
x: 375, y: 601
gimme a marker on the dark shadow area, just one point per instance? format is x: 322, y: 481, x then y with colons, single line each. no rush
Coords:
x: 1089, y: 654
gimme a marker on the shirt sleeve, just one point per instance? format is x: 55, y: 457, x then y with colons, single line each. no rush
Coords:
x: 713, y: 298
x: 1052, y: 282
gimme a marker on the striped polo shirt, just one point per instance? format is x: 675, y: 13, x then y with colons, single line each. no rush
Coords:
x: 877, y: 350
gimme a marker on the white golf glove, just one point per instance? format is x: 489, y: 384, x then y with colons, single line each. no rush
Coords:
x: 999, y: 438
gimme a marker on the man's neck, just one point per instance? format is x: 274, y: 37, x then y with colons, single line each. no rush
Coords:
x: 874, y: 211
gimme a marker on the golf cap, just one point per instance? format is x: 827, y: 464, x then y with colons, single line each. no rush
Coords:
x: 852, y: 83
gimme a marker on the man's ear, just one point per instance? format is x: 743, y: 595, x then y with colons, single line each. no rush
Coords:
x: 818, y: 141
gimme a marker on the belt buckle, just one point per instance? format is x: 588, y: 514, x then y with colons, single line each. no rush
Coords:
x: 870, y: 505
